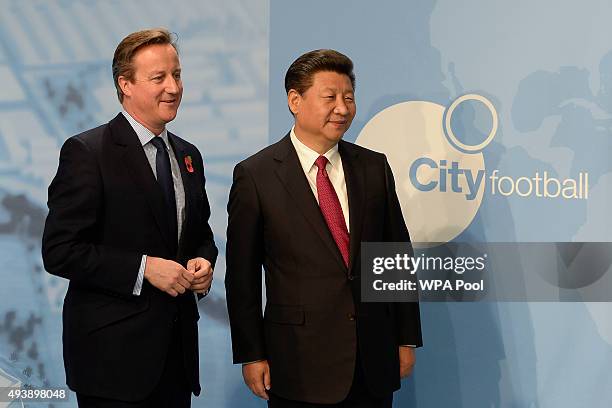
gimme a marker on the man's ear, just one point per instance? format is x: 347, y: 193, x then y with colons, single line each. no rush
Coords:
x: 293, y: 100
x: 125, y: 85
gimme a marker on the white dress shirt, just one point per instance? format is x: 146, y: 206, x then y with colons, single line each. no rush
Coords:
x: 145, y: 136
x: 334, y: 169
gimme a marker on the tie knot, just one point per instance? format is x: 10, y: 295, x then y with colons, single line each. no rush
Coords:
x: 321, y: 162
x: 159, y: 143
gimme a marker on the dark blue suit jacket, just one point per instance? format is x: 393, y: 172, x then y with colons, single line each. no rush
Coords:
x: 106, y: 210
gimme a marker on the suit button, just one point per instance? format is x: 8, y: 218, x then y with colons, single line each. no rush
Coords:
x: 351, y: 277
x: 351, y: 316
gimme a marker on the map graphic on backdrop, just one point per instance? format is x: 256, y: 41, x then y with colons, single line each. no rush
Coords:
x: 55, y: 63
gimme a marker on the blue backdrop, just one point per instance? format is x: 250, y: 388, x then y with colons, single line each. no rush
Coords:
x: 545, y: 66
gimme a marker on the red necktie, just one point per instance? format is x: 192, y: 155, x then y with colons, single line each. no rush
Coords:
x: 331, y: 209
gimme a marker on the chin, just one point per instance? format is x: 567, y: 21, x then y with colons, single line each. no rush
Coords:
x: 336, y: 136
x: 168, y: 117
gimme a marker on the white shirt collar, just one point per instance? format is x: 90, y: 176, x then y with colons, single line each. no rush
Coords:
x: 144, y: 134
x: 308, y: 156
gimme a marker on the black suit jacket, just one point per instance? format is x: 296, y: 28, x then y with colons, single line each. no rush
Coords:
x: 106, y: 210
x: 314, y: 323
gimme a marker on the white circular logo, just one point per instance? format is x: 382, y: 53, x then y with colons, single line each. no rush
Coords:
x: 440, y: 180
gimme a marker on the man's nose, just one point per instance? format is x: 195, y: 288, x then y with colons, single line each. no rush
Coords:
x: 172, y: 85
x: 341, y: 108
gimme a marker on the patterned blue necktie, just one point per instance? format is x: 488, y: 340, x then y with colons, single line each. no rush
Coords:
x: 164, y: 178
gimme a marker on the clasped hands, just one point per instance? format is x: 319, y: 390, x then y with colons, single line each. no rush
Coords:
x: 172, y: 278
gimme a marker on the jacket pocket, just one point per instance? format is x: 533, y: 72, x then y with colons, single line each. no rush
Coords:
x: 112, y: 313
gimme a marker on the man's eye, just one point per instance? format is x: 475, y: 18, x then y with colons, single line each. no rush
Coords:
x: 157, y: 78
x: 177, y: 75
x: 349, y: 98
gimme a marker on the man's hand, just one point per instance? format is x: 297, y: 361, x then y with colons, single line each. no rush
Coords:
x: 167, y: 275
x: 406, y: 360
x: 202, y: 272
x: 257, y: 377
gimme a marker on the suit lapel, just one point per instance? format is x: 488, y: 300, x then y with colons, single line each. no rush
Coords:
x: 354, y: 176
x: 133, y: 157
x: 292, y: 176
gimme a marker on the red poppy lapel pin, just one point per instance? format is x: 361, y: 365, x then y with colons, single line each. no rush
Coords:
x: 188, y: 164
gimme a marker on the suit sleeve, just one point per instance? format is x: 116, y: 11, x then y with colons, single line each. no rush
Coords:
x: 408, y: 319
x: 207, y: 248
x: 243, y: 276
x: 69, y: 245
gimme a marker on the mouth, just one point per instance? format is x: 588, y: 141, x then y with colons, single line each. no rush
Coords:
x: 169, y: 101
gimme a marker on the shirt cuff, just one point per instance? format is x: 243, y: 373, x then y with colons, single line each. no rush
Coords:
x: 140, y: 278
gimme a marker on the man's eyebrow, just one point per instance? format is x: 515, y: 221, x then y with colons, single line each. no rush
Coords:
x: 333, y: 89
x: 161, y: 71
